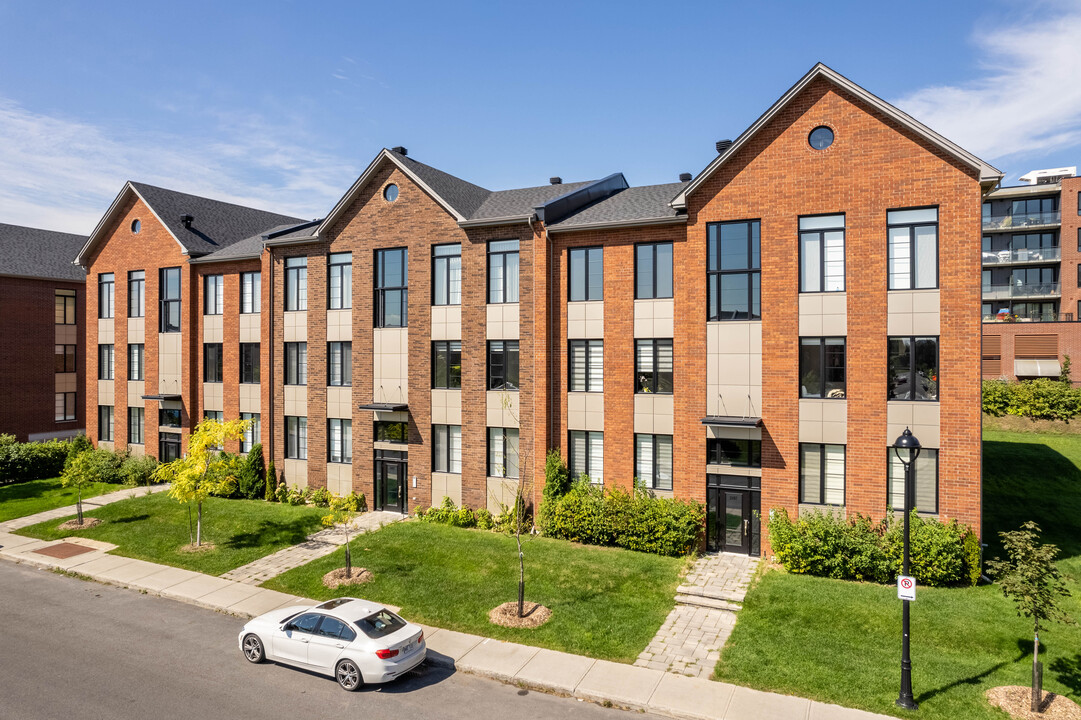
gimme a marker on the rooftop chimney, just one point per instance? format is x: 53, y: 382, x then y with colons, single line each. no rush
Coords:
x: 684, y: 177
x: 555, y: 180
x: 400, y: 150
x: 723, y: 145
x: 186, y: 219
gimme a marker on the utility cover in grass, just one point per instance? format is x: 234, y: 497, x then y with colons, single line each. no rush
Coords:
x: 1017, y: 701
x: 533, y: 615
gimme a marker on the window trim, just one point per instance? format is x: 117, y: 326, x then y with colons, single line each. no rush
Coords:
x: 822, y: 474
x: 820, y: 232
x: 890, y: 454
x: 293, y: 449
x: 488, y: 271
x: 822, y: 365
x: 291, y: 371
x: 255, y: 280
x: 447, y: 258
x: 912, y: 365
x: 107, y: 367
x: 380, y: 301
x: 67, y: 352
x: 589, y: 455
x: 587, y: 344
x: 139, y: 282
x: 506, y: 385
x: 435, y: 356
x: 293, y: 268
x: 70, y: 308
x: 751, y: 272
x: 165, y: 302
x: 912, y: 249
x: 219, y: 365
x: 345, y: 302
x: 586, y: 251
x: 654, y: 460
x: 345, y: 363
x: 656, y: 373
x: 213, y: 298
x: 653, y: 281
x: 343, y: 458
x: 256, y: 366
x: 141, y: 426
x: 506, y: 453
x: 447, y: 459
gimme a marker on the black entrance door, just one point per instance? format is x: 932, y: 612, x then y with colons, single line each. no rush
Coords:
x: 731, y: 521
x: 389, y: 485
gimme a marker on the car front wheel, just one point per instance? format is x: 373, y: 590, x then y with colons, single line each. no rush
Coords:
x: 253, y: 649
x: 348, y: 675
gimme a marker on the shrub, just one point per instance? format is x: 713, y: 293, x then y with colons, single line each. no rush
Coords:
x: 138, y: 470
x: 485, y: 521
x: 996, y: 397
x: 228, y: 465
x: 252, y: 480
x: 271, y: 486
x: 355, y: 502
x: 1042, y: 399
x: 101, y: 465
x: 78, y: 445
x: 297, y: 496
x: 320, y: 497
x: 21, y: 462
x: 282, y: 493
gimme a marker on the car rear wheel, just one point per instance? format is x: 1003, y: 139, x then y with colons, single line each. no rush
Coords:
x: 348, y: 675
x: 253, y: 649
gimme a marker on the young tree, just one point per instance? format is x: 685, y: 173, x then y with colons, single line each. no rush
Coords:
x: 342, y: 512
x: 198, y: 475
x: 80, y: 472
x: 1029, y: 577
x: 271, y: 483
x: 521, y: 518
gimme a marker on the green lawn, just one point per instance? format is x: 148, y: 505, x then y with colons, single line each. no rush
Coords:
x: 22, y: 499
x: 839, y: 641
x: 606, y: 602
x: 155, y: 527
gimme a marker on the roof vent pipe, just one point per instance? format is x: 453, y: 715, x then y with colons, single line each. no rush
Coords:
x: 186, y: 219
x: 555, y: 180
x: 400, y: 150
x: 684, y: 177
x: 723, y: 145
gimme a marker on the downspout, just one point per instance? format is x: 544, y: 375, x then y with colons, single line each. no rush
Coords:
x: 270, y: 358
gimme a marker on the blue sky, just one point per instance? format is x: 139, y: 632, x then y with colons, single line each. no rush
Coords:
x: 282, y: 104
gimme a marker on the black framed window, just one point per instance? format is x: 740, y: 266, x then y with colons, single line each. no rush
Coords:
x: 586, y: 456
x: 822, y: 367
x: 212, y: 362
x: 296, y: 437
x: 137, y: 293
x: 296, y: 363
x: 339, y: 441
x: 585, y: 366
x: 503, y: 452
x: 169, y: 300
x: 447, y: 364
x: 249, y: 363
x: 391, y: 288
x: 913, y: 248
x: 136, y: 362
x: 169, y: 417
x: 653, y: 366
x: 105, y: 423
x: 913, y: 368
x: 64, y: 303
x: 734, y: 270
x: 924, y: 476
x: 213, y: 294
x: 105, y: 362
x: 340, y: 271
x: 168, y: 447
x: 65, y: 406
x: 296, y: 284
x: 65, y: 359
x: 737, y: 452
x: 447, y: 274
x: 339, y: 363
x: 586, y: 274
x: 214, y: 415
x: 253, y: 434
x: 391, y: 432
x: 136, y: 425
x: 251, y: 292
x: 503, y: 271
x: 1035, y: 211
x: 106, y: 287
x: 503, y: 365
x: 447, y: 448
x: 822, y: 253
x: 652, y: 271
x: 653, y: 461
x: 821, y: 474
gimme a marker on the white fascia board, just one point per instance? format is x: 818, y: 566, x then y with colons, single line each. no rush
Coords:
x: 487, y: 222
x: 677, y: 220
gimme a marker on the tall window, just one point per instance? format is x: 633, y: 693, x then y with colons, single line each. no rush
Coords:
x: 586, y: 277
x: 105, y: 362
x: 913, y: 368
x: 339, y: 441
x: 391, y: 288
x: 653, y: 271
x: 653, y: 366
x: 653, y: 461
x: 585, y: 365
x: 296, y: 363
x: 106, y: 286
x: 734, y: 275
x: 822, y: 253
x: 252, y: 434
x: 913, y: 248
x: 447, y: 448
x: 64, y: 301
x: 296, y: 283
x: 502, y: 364
x: 249, y: 363
x: 65, y: 406
x: 447, y: 364
x: 136, y: 425
x: 447, y: 275
x: 136, y: 364
x: 340, y: 267
x: 65, y: 359
x: 737, y: 452
x: 924, y: 478
x: 821, y: 474
x: 213, y: 294
x: 339, y: 363
x: 105, y: 423
x: 391, y: 432
x: 169, y: 300
x: 212, y: 362
x: 296, y: 437
x: 251, y: 296
x: 503, y: 452
x: 503, y: 271
x: 137, y: 293
x: 587, y: 455
x: 822, y: 367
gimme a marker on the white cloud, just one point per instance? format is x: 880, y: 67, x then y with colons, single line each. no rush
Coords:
x: 62, y: 174
x: 1028, y: 100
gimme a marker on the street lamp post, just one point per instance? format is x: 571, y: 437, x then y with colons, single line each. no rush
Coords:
x: 907, y: 448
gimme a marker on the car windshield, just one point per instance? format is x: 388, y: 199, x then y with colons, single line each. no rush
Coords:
x: 380, y: 624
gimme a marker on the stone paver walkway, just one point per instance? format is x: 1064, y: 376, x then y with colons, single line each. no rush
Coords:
x: 89, y: 505
x: 316, y: 546
x: 690, y: 640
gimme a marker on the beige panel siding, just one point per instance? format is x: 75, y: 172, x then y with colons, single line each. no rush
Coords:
x: 68, y: 334
x: 823, y: 314
x: 170, y: 363
x: 213, y: 328
x: 296, y: 400
x: 340, y: 478
x: 921, y: 417
x: 502, y: 322
x: 250, y: 328
x: 213, y: 397
x: 653, y: 413
x: 295, y: 326
x: 501, y: 491
x: 912, y: 312
x: 106, y: 394
x: 585, y: 319
x: 734, y: 369
x: 249, y: 398
x: 136, y: 331
x: 585, y: 411
x: 823, y: 421
x: 447, y: 322
x: 654, y: 318
x: 136, y: 390
x: 339, y: 325
x: 67, y: 382
x: 340, y: 402
x: 391, y: 360
x: 503, y: 410
x: 446, y: 407
x: 105, y: 331
x: 296, y: 473
x: 446, y: 485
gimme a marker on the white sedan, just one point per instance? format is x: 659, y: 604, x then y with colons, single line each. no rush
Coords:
x: 355, y: 641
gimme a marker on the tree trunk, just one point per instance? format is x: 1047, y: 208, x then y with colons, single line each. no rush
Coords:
x: 79, y: 505
x: 199, y: 526
x: 348, y: 558
x: 521, y: 573
x: 1036, y: 674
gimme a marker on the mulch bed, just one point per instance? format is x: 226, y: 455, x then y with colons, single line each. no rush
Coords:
x: 506, y: 615
x: 336, y: 578
x: 193, y: 548
x: 1017, y: 701
x: 88, y: 522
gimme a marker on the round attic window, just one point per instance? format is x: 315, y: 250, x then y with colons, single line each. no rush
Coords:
x: 136, y: 226
x: 820, y: 138
x: 390, y: 192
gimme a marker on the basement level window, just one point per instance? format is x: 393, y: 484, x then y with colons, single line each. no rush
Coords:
x: 136, y: 226
x: 390, y: 192
x: 820, y: 138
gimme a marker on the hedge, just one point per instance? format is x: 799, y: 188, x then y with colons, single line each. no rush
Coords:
x: 22, y: 462
x: 1042, y: 399
x: 447, y: 513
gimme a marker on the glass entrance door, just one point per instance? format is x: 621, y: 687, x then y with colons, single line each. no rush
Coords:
x: 728, y: 520
x: 389, y: 485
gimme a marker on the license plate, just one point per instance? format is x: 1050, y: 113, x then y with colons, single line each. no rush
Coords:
x: 407, y: 648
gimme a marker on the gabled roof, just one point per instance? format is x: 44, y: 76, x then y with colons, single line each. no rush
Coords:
x: 643, y: 205
x: 215, y: 224
x: 33, y: 253
x: 988, y: 174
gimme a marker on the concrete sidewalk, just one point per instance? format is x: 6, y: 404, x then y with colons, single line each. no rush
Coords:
x: 597, y: 681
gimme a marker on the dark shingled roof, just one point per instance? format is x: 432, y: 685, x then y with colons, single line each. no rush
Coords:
x: 216, y: 225
x: 465, y: 197
x: 647, y: 202
x: 515, y: 203
x: 252, y: 247
x: 29, y: 252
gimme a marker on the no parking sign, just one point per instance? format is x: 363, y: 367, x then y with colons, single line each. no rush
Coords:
x: 906, y: 587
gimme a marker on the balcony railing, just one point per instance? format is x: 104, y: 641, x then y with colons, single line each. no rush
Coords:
x: 1025, y: 255
x: 1008, y: 317
x: 1003, y: 222
x: 1020, y: 290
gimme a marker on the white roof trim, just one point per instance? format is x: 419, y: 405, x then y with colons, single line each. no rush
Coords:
x: 615, y: 224
x: 108, y: 218
x: 987, y: 172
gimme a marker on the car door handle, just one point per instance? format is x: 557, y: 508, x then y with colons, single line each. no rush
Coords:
x: 338, y: 645
x: 304, y: 640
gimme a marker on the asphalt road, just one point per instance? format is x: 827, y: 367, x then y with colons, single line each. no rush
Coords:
x: 77, y: 650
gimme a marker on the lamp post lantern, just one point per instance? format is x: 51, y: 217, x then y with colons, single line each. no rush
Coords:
x: 907, y: 448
